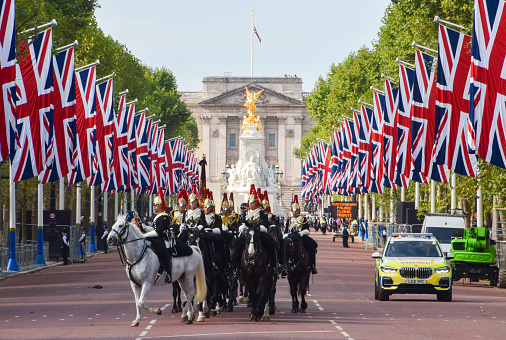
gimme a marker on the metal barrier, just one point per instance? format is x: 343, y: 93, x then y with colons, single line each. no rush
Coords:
x: 375, y: 230
x: 26, y: 254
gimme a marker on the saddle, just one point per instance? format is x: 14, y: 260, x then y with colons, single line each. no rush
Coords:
x: 181, y: 249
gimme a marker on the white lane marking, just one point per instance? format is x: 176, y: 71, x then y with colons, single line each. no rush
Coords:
x: 152, y: 321
x: 143, y: 333
x: 339, y: 328
x: 333, y: 322
x: 149, y: 326
x: 163, y: 308
x: 346, y: 335
x: 213, y: 334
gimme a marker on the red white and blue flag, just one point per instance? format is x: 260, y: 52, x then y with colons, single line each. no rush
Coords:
x: 119, y: 174
x: 59, y: 163
x: 390, y: 133
x: 488, y: 81
x: 452, y: 146
x: 377, y: 157
x: 256, y: 33
x: 143, y: 161
x: 34, y: 107
x: 7, y: 76
x: 84, y: 152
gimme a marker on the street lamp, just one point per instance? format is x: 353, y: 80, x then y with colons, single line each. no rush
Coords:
x: 277, y: 174
x: 226, y: 175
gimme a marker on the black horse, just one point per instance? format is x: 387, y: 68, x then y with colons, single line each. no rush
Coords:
x: 297, y: 262
x: 256, y: 273
x: 217, y: 285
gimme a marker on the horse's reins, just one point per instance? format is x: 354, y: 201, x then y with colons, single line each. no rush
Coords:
x: 293, y: 266
x: 257, y: 253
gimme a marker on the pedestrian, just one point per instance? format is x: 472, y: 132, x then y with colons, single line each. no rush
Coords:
x: 384, y: 234
x: 82, y: 243
x: 65, y: 246
x: 324, y: 225
x: 104, y: 238
x: 346, y: 234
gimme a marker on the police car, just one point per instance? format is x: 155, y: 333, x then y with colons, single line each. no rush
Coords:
x: 412, y: 264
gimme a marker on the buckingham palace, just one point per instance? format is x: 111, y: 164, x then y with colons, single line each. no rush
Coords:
x: 218, y: 110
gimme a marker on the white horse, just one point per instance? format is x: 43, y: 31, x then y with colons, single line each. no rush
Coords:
x: 142, y: 269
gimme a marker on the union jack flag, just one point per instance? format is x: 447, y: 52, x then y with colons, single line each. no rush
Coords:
x: 346, y: 131
x: 377, y: 158
x: 132, y: 177
x: 34, y: 107
x: 64, y: 122
x: 335, y: 160
x: 364, y: 154
x: 161, y: 169
x: 488, y: 84
x: 119, y: 174
x: 84, y: 152
x: 354, y: 180
x: 171, y: 149
x: 143, y: 161
x: 7, y: 76
x: 390, y: 133
x: 452, y: 146
x: 154, y: 159
x: 104, y: 134
x: 403, y: 122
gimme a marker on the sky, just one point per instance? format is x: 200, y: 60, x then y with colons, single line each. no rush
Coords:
x: 200, y: 38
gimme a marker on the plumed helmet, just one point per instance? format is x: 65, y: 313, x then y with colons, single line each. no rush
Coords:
x: 231, y: 201
x: 252, y: 194
x: 224, y: 202
x: 182, y: 198
x: 295, y: 203
x: 157, y: 200
x: 208, y: 203
x: 265, y: 201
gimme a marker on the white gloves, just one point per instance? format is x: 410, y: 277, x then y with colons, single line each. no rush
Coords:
x: 217, y: 231
x: 303, y: 232
x: 151, y: 233
x: 285, y: 235
x: 242, y: 228
x: 224, y: 228
x: 183, y: 226
x: 200, y: 227
x: 263, y: 229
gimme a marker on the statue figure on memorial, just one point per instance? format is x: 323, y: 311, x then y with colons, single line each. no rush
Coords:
x: 252, y: 108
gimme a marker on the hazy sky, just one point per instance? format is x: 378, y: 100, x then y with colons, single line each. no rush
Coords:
x: 202, y: 38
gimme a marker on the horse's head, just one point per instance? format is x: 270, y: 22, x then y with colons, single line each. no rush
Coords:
x: 119, y: 230
x: 194, y: 236
x: 252, y: 238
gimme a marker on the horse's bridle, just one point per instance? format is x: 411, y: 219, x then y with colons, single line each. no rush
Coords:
x: 121, y: 242
x: 247, y: 259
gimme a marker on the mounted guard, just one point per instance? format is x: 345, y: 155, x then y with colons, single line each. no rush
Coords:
x: 275, y: 231
x: 298, y: 224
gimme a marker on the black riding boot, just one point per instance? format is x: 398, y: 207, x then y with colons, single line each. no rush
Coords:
x: 167, y: 263
x: 281, y: 260
x: 213, y: 257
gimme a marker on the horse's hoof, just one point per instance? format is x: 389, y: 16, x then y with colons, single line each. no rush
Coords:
x: 302, y: 311
x: 157, y: 311
x: 201, y: 319
x: 189, y: 322
x: 272, y: 310
x: 206, y: 315
x: 294, y: 310
x: 266, y: 318
x: 218, y: 311
x: 184, y: 319
x: 174, y: 310
x: 241, y: 299
x: 214, y: 312
x: 134, y: 323
x: 254, y: 318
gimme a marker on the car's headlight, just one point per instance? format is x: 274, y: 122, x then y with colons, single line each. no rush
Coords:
x: 442, y: 270
x: 388, y: 269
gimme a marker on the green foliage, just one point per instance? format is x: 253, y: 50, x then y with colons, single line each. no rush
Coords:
x: 348, y: 81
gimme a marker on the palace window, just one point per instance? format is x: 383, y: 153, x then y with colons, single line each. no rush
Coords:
x: 231, y: 140
x: 272, y: 140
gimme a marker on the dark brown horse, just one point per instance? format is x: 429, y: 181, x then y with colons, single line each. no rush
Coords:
x: 256, y: 273
x: 297, y: 262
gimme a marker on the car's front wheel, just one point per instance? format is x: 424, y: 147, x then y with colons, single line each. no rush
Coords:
x: 376, y: 289
x: 445, y: 295
x: 382, y: 295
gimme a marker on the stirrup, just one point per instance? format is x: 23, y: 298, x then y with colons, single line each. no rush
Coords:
x: 168, y: 279
x: 314, y: 270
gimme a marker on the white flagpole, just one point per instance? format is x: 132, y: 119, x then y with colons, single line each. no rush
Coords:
x: 252, y: 25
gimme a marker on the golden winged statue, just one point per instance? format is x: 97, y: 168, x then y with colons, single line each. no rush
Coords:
x: 252, y: 108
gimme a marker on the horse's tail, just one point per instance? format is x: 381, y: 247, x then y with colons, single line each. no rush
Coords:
x: 200, y: 278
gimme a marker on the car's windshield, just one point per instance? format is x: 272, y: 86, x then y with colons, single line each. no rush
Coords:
x: 413, y: 249
x: 445, y: 235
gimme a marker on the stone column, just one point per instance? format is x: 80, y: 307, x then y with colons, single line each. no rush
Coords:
x: 206, y: 134
x: 221, y: 160
x: 282, y: 144
x: 297, y: 168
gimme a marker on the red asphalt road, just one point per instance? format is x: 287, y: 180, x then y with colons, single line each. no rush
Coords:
x: 94, y: 301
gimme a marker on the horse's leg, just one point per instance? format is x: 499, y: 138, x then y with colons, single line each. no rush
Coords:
x: 293, y: 293
x: 175, y: 290
x: 266, y: 316
x: 137, y: 292
x: 179, y: 309
x: 303, y: 290
x: 241, y: 293
x: 232, y: 295
x: 272, y: 302
x: 253, y: 301
x: 146, y: 288
x: 187, y: 284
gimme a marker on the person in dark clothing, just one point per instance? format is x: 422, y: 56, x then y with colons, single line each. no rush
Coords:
x: 65, y: 246
x: 346, y: 234
x: 298, y: 223
x: 161, y: 224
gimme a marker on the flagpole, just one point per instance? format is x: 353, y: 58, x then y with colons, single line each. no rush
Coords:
x: 252, y: 24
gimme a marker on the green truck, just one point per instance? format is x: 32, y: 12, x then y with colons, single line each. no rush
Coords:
x: 475, y: 256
